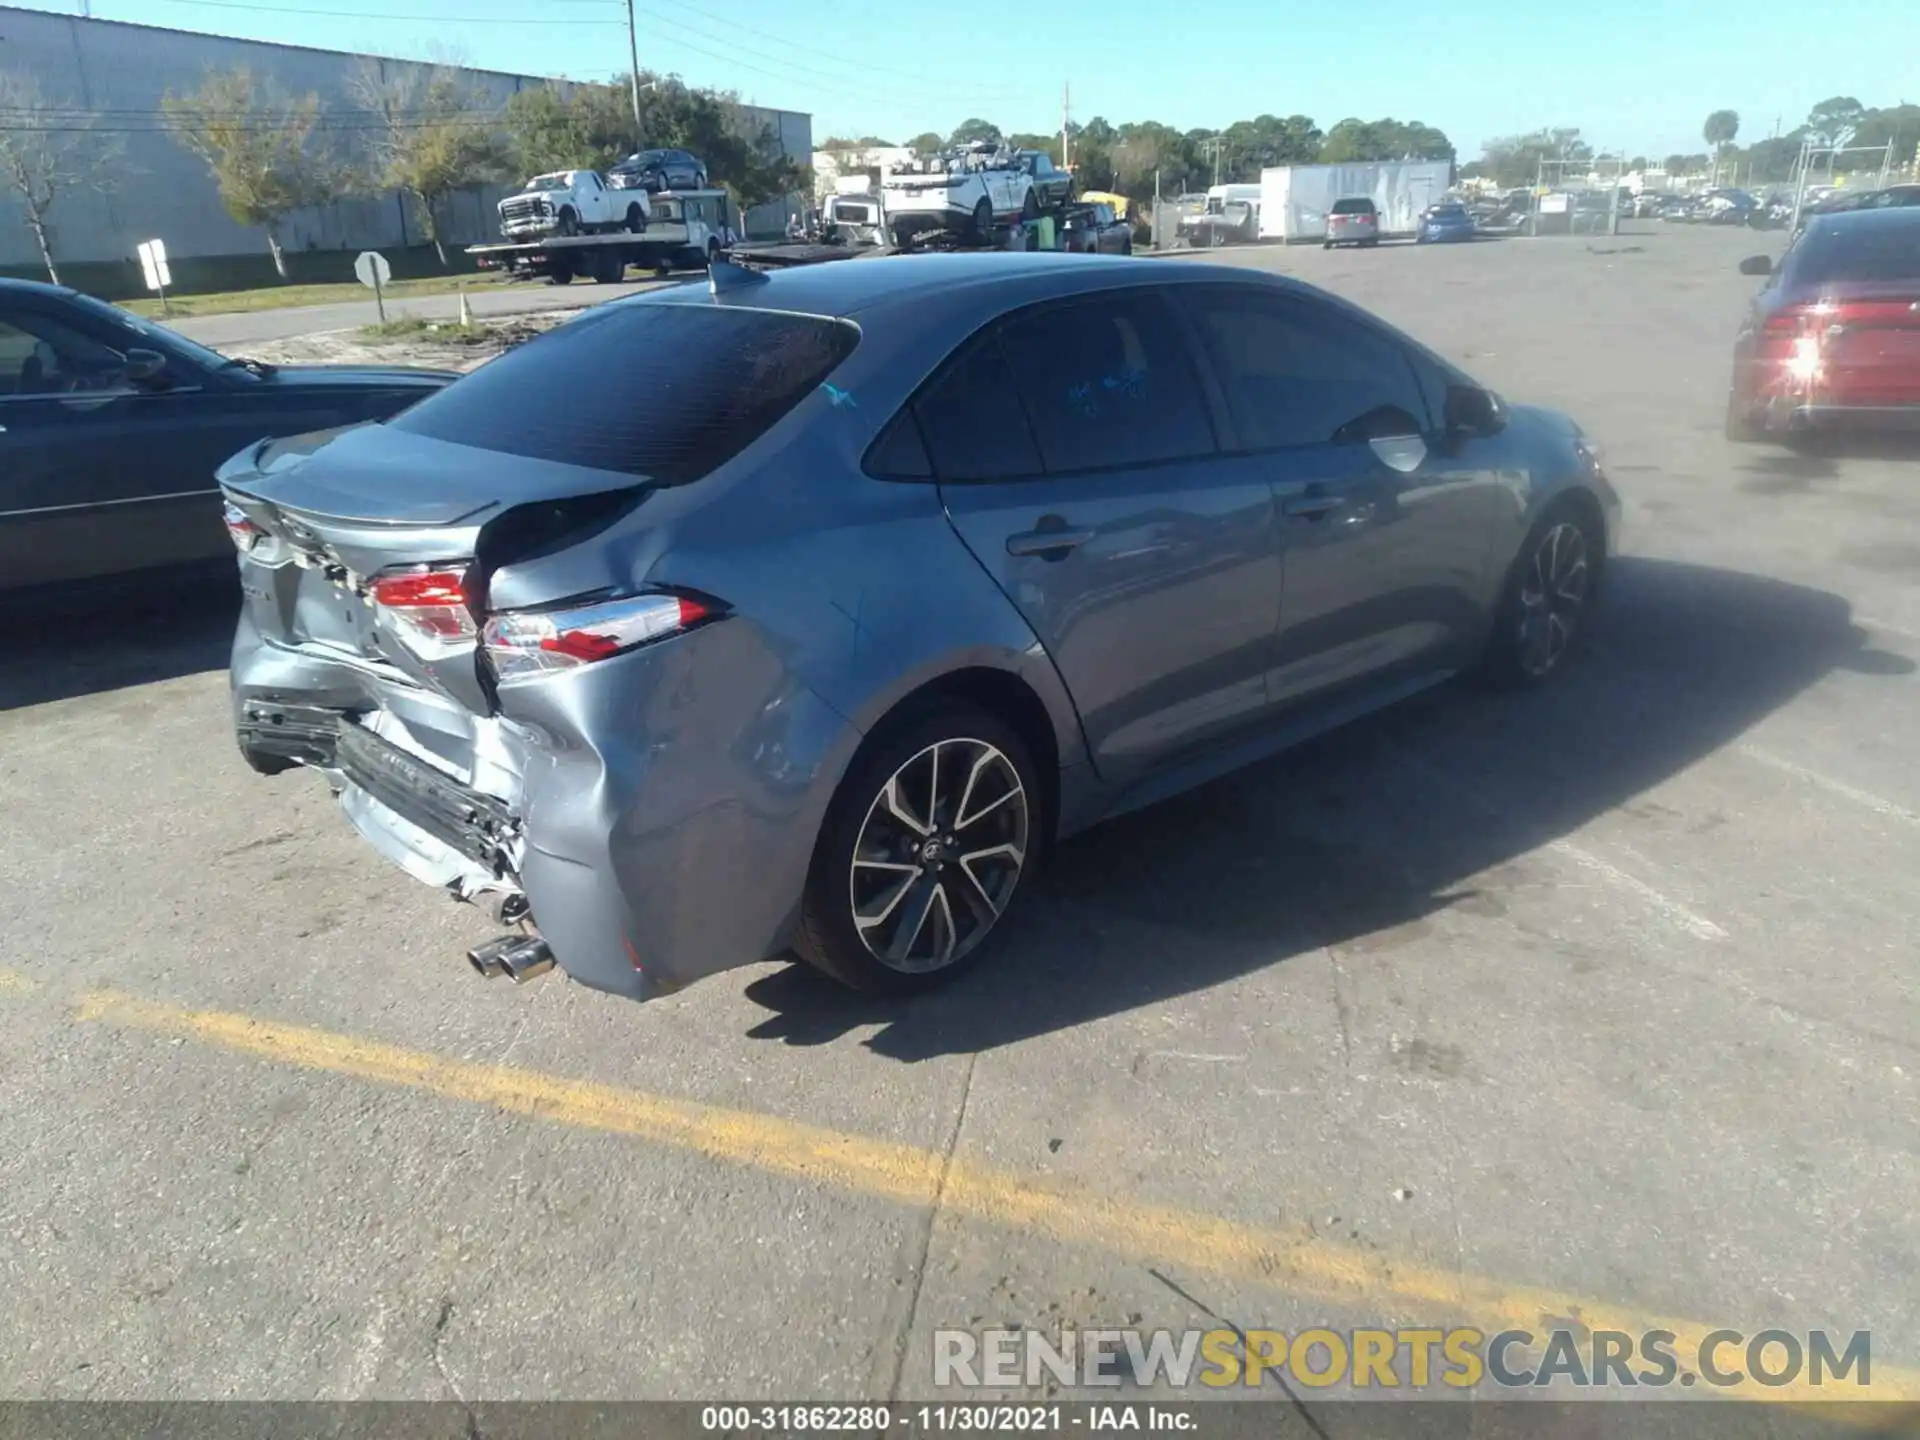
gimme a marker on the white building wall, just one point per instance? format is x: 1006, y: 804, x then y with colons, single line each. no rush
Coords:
x: 120, y: 73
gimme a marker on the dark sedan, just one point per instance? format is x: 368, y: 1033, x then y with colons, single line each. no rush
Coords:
x: 1052, y: 186
x: 1833, y: 338
x: 1095, y: 230
x: 111, y: 429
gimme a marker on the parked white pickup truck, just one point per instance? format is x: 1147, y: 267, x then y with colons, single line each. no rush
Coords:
x: 571, y: 202
x: 965, y: 190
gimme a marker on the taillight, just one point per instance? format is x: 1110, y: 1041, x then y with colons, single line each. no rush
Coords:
x: 530, y: 643
x: 244, y: 533
x: 428, y: 608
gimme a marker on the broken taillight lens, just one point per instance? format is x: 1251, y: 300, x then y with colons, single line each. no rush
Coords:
x: 244, y: 532
x: 525, y: 644
x: 427, y: 607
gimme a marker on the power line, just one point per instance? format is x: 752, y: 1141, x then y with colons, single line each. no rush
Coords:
x: 372, y: 15
x: 776, y: 59
x: 918, y: 77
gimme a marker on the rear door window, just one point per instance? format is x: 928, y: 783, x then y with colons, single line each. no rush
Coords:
x: 1107, y: 382
x: 971, y: 421
x: 668, y: 392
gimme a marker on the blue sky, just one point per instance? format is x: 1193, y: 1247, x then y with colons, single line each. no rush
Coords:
x: 1635, y: 74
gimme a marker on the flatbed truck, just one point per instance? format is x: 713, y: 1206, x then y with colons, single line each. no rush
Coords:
x: 687, y: 229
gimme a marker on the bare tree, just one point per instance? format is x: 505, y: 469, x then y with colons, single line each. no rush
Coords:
x: 46, y: 152
x: 434, y: 135
x: 260, y: 147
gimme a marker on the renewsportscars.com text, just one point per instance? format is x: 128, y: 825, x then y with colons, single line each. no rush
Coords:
x: 1405, y: 1359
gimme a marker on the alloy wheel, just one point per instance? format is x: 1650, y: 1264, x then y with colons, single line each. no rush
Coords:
x: 1553, y: 598
x: 939, y: 855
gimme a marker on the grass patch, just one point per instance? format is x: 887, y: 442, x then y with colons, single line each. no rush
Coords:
x: 283, y: 297
x: 416, y: 327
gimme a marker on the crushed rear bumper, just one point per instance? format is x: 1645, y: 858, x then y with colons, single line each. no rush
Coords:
x: 657, y: 813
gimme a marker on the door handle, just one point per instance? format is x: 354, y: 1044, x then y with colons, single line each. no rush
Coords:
x: 1050, y: 539
x: 1312, y: 505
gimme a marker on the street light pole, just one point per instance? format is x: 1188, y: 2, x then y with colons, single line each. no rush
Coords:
x: 633, y: 76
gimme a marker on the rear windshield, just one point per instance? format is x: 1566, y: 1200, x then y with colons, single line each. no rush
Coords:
x: 669, y: 392
x: 1858, y: 252
x: 1353, y: 207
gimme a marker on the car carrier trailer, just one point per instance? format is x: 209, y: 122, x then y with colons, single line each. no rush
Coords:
x: 688, y: 229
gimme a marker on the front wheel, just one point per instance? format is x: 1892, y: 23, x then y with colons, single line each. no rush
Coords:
x: 569, y: 223
x: 983, y: 220
x: 1543, y: 614
x: 926, y: 845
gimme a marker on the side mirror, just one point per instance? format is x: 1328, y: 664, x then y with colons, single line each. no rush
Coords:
x: 1473, y: 411
x: 145, y: 367
x: 1756, y: 265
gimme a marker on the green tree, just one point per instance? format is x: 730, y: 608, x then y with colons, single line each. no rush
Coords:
x: 260, y: 147
x: 1834, y: 120
x: 742, y: 154
x: 926, y: 143
x: 433, y: 136
x: 570, y: 127
x: 968, y: 132
x: 1897, y: 123
x: 1518, y: 159
x: 1364, y: 140
x: 1721, y: 127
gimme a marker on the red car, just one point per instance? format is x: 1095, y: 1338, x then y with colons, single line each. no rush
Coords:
x: 1832, y: 340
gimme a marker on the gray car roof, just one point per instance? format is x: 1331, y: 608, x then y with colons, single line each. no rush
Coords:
x: 848, y: 287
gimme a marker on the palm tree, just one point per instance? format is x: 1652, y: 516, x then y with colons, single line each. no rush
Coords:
x: 1718, y: 132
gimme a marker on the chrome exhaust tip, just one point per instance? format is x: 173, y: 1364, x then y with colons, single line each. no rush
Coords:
x: 489, y: 960
x: 529, y: 959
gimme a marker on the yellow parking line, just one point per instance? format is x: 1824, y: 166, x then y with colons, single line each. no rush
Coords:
x: 14, y: 982
x: 1294, y: 1262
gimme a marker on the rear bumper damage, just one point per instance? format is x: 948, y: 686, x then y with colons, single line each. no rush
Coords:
x: 654, y: 831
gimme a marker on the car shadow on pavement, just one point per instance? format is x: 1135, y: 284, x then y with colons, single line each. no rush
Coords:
x: 1356, y: 839
x: 110, y: 639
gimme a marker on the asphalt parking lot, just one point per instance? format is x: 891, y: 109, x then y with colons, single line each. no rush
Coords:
x: 1595, y: 1005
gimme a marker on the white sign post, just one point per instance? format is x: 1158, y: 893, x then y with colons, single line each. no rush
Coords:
x: 373, y: 271
x: 153, y: 266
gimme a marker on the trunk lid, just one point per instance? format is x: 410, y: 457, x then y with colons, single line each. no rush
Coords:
x: 337, y: 509
x: 1871, y: 346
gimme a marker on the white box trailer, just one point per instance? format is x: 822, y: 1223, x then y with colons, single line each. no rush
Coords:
x: 1295, y: 199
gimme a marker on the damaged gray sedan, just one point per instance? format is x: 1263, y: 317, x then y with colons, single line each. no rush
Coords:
x: 806, y: 611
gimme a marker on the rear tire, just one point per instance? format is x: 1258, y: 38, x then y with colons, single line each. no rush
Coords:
x: 1546, y: 608
x: 713, y: 252
x: 983, y: 221
x: 1741, y: 428
x: 928, y: 842
x: 1030, y: 207
x: 636, y: 219
x: 1326, y: 245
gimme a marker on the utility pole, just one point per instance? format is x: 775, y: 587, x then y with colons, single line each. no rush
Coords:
x: 633, y: 76
x: 1066, y: 153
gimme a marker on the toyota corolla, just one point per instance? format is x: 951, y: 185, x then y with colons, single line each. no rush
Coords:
x: 807, y: 611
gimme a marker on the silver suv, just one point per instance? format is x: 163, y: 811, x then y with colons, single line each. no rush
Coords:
x: 1353, y: 221
x: 810, y: 610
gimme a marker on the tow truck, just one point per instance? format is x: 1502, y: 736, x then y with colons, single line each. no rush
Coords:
x: 685, y: 229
